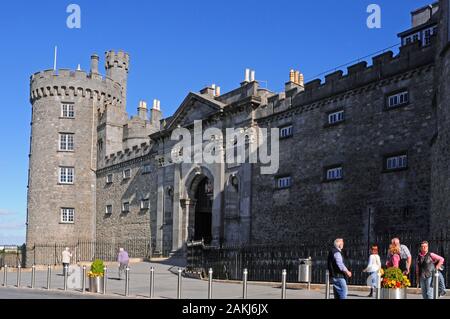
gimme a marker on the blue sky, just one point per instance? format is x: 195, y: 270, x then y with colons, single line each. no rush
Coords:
x: 175, y: 47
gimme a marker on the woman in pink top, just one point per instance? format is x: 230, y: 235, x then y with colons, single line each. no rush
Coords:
x: 394, y: 260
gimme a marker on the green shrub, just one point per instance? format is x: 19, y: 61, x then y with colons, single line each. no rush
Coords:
x: 97, y: 268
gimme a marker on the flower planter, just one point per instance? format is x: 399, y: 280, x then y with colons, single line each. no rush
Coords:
x: 96, y: 284
x: 393, y: 293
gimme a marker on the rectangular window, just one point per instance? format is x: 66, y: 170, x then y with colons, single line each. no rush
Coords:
x: 66, y: 175
x: 108, y: 209
x: 67, y: 110
x: 334, y: 173
x: 336, y: 117
x: 286, y: 131
x: 66, y: 142
x: 126, y: 173
x: 146, y: 169
x: 109, y: 178
x: 284, y: 182
x: 396, y: 162
x: 145, y: 203
x: 125, y: 207
x: 67, y: 215
x: 398, y: 99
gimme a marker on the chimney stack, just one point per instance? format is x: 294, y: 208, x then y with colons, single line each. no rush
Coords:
x: 142, y: 110
x: 94, y: 64
x: 156, y: 114
x: 296, y: 79
x: 247, y: 75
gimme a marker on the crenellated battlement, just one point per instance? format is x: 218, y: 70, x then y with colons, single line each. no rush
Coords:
x: 69, y: 83
x: 127, y: 154
x: 118, y: 59
x: 385, y: 65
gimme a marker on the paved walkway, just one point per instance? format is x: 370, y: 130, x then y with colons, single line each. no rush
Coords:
x: 166, y: 282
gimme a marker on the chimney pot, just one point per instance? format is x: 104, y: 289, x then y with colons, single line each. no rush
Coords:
x: 247, y: 75
x: 217, y: 90
x: 252, y: 76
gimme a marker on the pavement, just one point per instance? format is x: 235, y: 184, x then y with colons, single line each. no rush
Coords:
x: 166, y: 283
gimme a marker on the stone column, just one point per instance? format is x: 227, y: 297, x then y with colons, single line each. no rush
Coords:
x: 177, y: 230
x: 188, y: 218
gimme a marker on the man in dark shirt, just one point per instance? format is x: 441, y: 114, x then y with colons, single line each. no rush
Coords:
x: 338, y: 271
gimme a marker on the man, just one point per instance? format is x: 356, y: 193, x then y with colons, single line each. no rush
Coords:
x: 427, y: 264
x: 123, y: 261
x: 405, y: 256
x: 66, y: 255
x: 338, y: 271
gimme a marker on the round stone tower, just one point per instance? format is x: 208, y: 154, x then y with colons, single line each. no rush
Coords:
x: 66, y: 107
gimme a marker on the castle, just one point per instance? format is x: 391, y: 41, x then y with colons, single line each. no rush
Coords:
x: 361, y: 154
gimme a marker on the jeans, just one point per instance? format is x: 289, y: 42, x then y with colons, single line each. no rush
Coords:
x: 339, y: 288
x: 426, y: 286
x: 441, y: 284
x: 122, y: 267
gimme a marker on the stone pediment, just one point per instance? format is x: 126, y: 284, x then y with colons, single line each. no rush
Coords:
x: 194, y: 107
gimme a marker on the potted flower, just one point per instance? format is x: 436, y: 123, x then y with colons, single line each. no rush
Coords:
x: 96, y: 276
x: 393, y: 284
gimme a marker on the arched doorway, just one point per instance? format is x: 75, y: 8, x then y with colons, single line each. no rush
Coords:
x: 203, y: 211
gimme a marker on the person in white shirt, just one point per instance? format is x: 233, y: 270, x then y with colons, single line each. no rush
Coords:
x: 373, y: 268
x: 66, y: 255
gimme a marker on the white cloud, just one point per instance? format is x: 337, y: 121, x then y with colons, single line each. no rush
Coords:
x: 6, y: 212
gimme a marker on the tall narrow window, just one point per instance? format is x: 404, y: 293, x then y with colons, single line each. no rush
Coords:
x: 67, y: 110
x: 126, y: 173
x: 125, y: 207
x: 146, y: 169
x: 145, y: 204
x: 109, y: 178
x: 66, y: 142
x: 66, y: 175
x: 108, y: 209
x: 67, y: 215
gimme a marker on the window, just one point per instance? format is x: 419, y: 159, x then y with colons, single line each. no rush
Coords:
x: 284, y: 182
x: 396, y: 162
x: 427, y: 33
x: 145, y: 203
x: 125, y: 207
x: 334, y: 173
x: 66, y: 175
x: 66, y: 142
x: 109, y: 178
x: 336, y: 117
x: 67, y: 110
x: 398, y: 99
x: 146, y: 169
x: 126, y: 173
x: 67, y: 215
x: 108, y: 209
x: 286, y: 131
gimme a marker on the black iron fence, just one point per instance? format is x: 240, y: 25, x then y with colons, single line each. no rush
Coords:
x: 12, y: 255
x: 51, y: 254
x: 265, y: 263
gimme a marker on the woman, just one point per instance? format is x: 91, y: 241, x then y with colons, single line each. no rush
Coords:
x: 373, y: 267
x: 394, y: 259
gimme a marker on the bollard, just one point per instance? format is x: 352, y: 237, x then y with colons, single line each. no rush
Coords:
x: 33, y: 276
x: 378, y: 293
x: 83, y: 280
x: 127, y: 281
x: 5, y: 276
x: 210, y: 273
x: 244, y: 283
x: 283, y: 284
x: 327, y: 284
x: 19, y: 275
x: 179, y: 284
x: 49, y: 276
x: 152, y: 282
x: 436, y: 284
x: 66, y: 270
x: 105, y: 279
